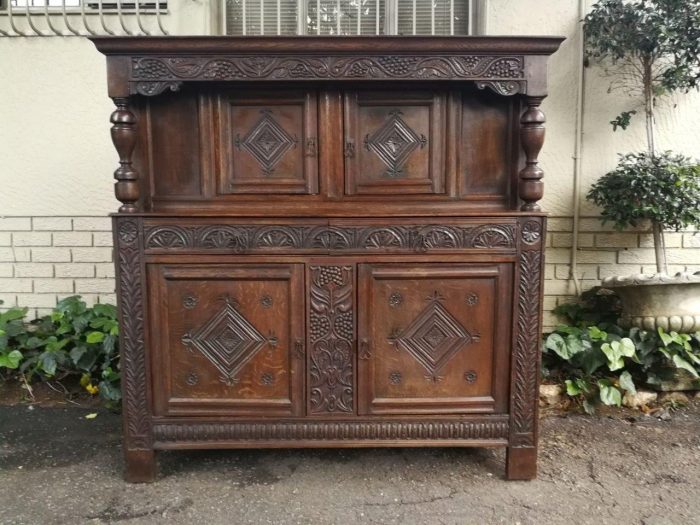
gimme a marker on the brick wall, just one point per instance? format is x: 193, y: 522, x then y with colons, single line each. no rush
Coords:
x: 43, y: 259
x: 604, y: 252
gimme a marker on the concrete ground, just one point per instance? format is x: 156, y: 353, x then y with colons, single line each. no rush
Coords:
x: 57, y: 467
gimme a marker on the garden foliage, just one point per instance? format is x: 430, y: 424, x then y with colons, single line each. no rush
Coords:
x: 73, y: 340
x: 599, y: 361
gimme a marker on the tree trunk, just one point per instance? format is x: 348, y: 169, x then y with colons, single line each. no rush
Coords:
x: 649, y: 106
x: 659, y: 248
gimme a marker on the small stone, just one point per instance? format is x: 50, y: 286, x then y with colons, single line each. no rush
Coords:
x: 639, y: 399
x: 697, y: 395
x: 675, y: 398
x: 551, y: 394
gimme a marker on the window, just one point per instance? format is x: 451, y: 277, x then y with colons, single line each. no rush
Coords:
x: 351, y: 17
x: 106, y: 5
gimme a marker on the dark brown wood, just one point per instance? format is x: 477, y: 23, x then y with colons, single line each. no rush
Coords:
x: 329, y: 242
x: 126, y: 189
x: 531, y: 187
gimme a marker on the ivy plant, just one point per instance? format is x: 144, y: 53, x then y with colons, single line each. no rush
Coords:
x: 599, y: 361
x: 73, y: 341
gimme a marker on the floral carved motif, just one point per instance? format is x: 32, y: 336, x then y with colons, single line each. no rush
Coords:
x: 153, y: 75
x: 331, y: 322
x: 531, y: 232
x: 250, y: 238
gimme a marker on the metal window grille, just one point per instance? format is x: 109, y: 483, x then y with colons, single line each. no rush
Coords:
x: 350, y: 17
x: 82, y: 17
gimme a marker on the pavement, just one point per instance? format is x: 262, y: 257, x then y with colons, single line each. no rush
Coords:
x: 57, y: 467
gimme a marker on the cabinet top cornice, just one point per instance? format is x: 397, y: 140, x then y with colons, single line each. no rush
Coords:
x: 327, y: 45
x: 148, y: 66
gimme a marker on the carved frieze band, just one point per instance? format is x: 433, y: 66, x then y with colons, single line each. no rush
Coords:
x: 153, y: 75
x: 251, y: 238
x: 333, y: 431
x: 526, y: 353
x: 331, y: 331
x: 131, y: 337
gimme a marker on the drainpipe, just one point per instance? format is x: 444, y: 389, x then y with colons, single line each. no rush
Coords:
x: 578, y: 146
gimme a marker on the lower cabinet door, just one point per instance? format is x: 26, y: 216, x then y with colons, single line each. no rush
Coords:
x: 434, y: 338
x: 227, y: 339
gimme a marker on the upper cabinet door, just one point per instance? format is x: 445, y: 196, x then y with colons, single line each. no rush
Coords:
x: 433, y: 338
x: 269, y: 142
x: 394, y: 142
x: 227, y: 339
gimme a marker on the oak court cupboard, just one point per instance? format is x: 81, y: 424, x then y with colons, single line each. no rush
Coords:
x: 328, y: 242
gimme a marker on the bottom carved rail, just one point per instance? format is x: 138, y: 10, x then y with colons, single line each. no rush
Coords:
x: 477, y: 429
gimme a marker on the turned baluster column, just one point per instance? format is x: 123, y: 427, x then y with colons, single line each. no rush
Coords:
x: 532, y: 122
x: 123, y: 132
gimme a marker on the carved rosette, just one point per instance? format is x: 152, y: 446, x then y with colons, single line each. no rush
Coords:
x: 131, y: 336
x: 152, y: 75
x: 526, y: 352
x: 331, y: 329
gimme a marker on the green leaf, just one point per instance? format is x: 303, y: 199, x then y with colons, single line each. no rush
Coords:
x: 626, y: 382
x: 588, y: 407
x: 572, y: 388
x: 76, y: 353
x: 609, y: 395
x: 95, y: 337
x: 596, y: 334
x: 566, y: 348
x: 48, y: 363
x: 92, y: 415
x: 627, y: 347
x: 590, y: 360
x: 11, y: 360
x: 682, y: 363
x: 666, y: 339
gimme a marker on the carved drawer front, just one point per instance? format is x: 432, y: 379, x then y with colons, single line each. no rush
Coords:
x: 269, y: 143
x: 227, y: 339
x: 430, y: 339
x: 394, y: 142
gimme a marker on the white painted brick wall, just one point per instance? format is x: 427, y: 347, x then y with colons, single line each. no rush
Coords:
x: 43, y: 259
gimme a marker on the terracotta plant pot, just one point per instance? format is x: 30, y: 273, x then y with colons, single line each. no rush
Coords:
x: 660, y: 300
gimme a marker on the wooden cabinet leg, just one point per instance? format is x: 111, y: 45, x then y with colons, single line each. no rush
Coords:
x: 521, y: 463
x: 140, y: 466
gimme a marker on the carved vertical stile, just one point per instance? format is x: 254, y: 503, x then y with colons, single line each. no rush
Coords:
x: 528, y: 323
x: 131, y: 338
x: 532, y: 122
x: 331, y: 332
x: 123, y: 133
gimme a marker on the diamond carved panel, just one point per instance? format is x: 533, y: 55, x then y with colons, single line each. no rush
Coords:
x: 227, y: 340
x: 434, y: 337
x: 394, y: 142
x: 267, y: 141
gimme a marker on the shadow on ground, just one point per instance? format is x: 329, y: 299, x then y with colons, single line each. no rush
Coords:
x: 56, y: 467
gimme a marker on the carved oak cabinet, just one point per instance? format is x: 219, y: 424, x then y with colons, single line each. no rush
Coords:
x: 329, y: 242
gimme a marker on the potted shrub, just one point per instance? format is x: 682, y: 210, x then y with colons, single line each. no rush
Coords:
x: 650, y: 48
